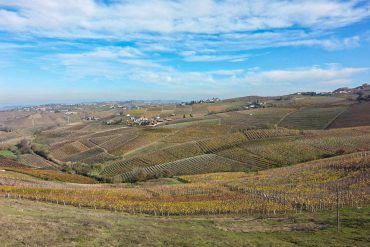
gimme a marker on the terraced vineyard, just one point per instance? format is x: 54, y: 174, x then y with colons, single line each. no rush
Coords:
x: 144, y: 138
x: 311, y: 186
x: 172, y: 153
x: 242, y: 154
x: 53, y: 175
x: 220, y: 143
x: 285, y: 153
x: 305, y: 149
x: 194, y: 165
x: 73, y: 148
x: 356, y: 115
x: 36, y: 161
x: 255, y: 118
x: 314, y: 185
x: 196, y: 132
x: 116, y: 142
x: 240, y: 171
x: 90, y: 154
x: 257, y: 149
x: 155, y: 158
x: 114, y: 168
x: 270, y: 133
x: 8, y: 162
x: 311, y: 118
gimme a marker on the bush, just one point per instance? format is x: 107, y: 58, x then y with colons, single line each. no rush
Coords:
x: 340, y: 151
x: 117, y: 179
x: 41, y: 150
x: 24, y: 147
x: 139, y: 174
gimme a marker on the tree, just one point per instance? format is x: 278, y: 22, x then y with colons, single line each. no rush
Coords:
x: 24, y: 147
x: 139, y: 174
x: 41, y: 150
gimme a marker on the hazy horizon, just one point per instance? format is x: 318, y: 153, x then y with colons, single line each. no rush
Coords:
x: 108, y: 50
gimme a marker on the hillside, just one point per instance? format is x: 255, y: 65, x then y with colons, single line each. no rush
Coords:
x: 289, y: 157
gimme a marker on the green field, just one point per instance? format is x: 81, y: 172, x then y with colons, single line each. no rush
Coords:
x: 24, y: 223
x: 7, y: 153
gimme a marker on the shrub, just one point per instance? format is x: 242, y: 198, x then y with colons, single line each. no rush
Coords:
x: 41, y: 150
x: 139, y: 174
x: 24, y: 147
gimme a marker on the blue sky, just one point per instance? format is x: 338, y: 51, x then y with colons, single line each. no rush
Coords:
x: 86, y: 50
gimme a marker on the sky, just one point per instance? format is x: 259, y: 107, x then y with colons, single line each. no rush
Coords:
x: 98, y: 50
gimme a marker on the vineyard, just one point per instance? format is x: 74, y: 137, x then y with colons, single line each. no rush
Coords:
x: 52, y: 175
x: 255, y: 118
x: 305, y: 149
x: 270, y: 133
x: 172, y: 153
x: 8, y: 162
x: 256, y: 149
x: 273, y: 160
x: 194, y: 165
x: 312, y: 186
x: 35, y: 161
x: 92, y: 155
x: 311, y: 118
x: 356, y: 115
x: 115, y: 129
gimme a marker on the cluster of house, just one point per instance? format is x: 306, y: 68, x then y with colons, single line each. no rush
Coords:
x: 343, y: 90
x: 256, y: 104
x: 142, y: 121
x: 212, y: 100
x: 91, y: 118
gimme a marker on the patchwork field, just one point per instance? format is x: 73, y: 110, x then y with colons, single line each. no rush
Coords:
x: 276, y: 164
x: 255, y: 149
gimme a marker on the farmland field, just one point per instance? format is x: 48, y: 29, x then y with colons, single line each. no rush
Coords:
x: 254, y: 118
x: 311, y: 118
x: 275, y: 191
x: 7, y: 153
x: 356, y: 115
x: 35, y: 161
x: 223, y: 164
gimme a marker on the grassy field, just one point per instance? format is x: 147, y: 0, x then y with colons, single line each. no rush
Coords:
x: 26, y: 223
x: 7, y: 153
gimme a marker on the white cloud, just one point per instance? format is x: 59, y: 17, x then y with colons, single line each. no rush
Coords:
x: 129, y: 64
x: 182, y: 26
x: 333, y: 74
x: 87, y: 17
x: 329, y: 44
x: 215, y: 58
x: 289, y: 78
x: 109, y: 52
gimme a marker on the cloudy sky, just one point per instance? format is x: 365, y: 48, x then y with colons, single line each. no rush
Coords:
x: 89, y: 50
